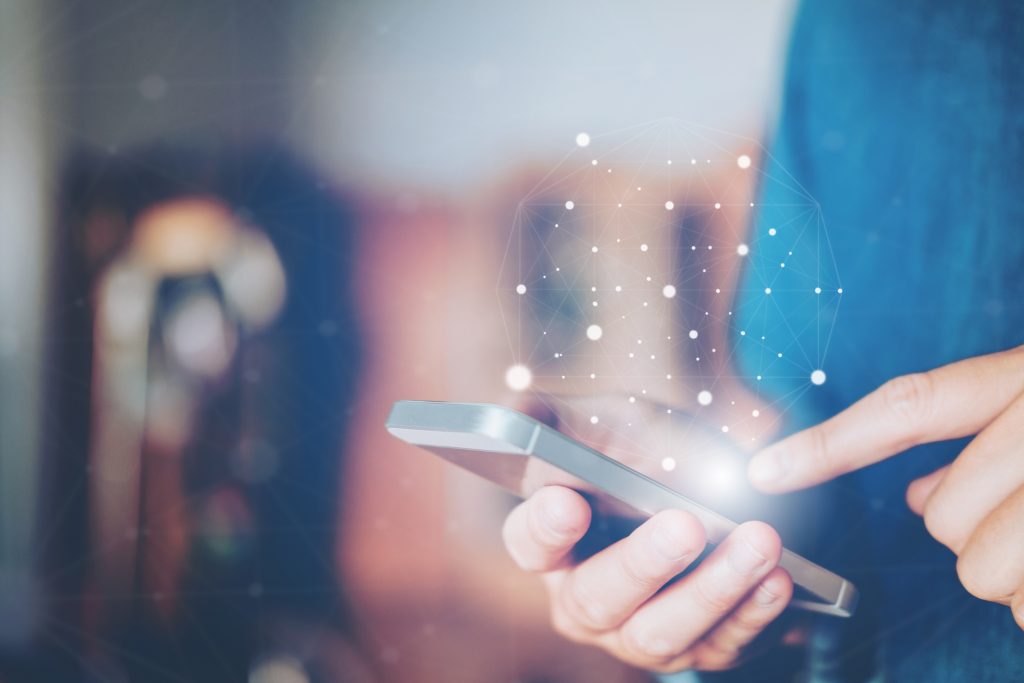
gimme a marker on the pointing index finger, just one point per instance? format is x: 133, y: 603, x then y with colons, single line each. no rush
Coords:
x: 953, y: 401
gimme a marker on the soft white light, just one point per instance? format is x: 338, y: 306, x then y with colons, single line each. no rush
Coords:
x: 743, y: 161
x: 582, y: 139
x: 570, y: 205
x: 669, y: 291
x: 594, y: 332
x: 643, y: 247
x: 520, y: 289
x: 518, y: 377
x: 669, y: 206
x: 704, y: 398
x: 694, y: 334
x: 668, y: 464
x: 818, y: 377
x: 742, y: 250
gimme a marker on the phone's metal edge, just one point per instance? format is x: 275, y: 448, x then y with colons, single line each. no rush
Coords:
x: 506, y: 425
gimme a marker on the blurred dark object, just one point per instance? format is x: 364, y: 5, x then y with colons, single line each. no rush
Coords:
x: 202, y: 363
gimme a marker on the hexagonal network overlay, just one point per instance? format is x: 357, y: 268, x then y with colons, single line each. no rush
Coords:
x: 671, y: 261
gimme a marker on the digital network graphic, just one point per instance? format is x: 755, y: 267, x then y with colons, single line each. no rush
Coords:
x: 671, y: 264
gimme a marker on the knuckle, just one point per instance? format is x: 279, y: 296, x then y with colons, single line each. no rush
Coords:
x: 824, y: 454
x: 710, y: 599
x: 939, y: 525
x: 567, y: 627
x: 908, y: 397
x: 644, y: 646
x: 585, y: 608
x: 638, y: 573
x: 974, y: 578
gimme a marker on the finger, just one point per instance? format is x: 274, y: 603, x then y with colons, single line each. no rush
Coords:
x: 991, y: 565
x: 921, y: 489
x: 1017, y: 607
x: 601, y: 592
x: 986, y: 472
x: 540, y: 532
x: 722, y: 645
x: 672, y: 622
x: 953, y: 401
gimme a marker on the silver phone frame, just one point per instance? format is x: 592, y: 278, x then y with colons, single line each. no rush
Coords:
x: 490, y: 428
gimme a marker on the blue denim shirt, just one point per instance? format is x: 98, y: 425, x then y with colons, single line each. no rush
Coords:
x: 905, y: 121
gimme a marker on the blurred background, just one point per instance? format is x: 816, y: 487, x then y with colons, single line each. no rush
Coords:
x: 232, y: 234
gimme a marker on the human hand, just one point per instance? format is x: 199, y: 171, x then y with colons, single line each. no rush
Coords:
x: 614, y: 599
x: 974, y: 506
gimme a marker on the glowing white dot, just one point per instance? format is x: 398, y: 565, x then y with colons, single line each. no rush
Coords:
x: 570, y: 205
x: 668, y: 464
x: 817, y: 290
x: 725, y: 429
x: 704, y: 398
x: 694, y: 334
x: 582, y: 139
x: 772, y: 232
x: 594, y: 249
x: 742, y: 250
x: 594, y: 419
x: 669, y: 291
x: 618, y: 288
x: 755, y: 412
x: 520, y: 289
x: 818, y: 377
x: 643, y: 247
x: 743, y: 161
x: 594, y: 332
x: 767, y: 290
x: 518, y: 378
x: 669, y: 206
x: 839, y: 291
x: 718, y: 205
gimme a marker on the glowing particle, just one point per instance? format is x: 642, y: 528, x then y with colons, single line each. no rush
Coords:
x: 594, y: 332
x: 669, y: 205
x: 594, y: 419
x: 704, y: 398
x: 520, y: 289
x: 773, y: 232
x: 618, y: 288
x: 643, y: 247
x: 632, y: 399
x: 570, y: 205
x: 755, y: 412
x: 742, y: 250
x: 817, y: 290
x: 725, y: 429
x: 668, y: 464
x: 518, y: 377
x: 767, y: 290
x: 582, y: 139
x: 594, y: 249
x: 818, y: 377
x: 718, y: 205
x: 743, y: 161
x: 669, y: 291
x: 839, y: 291
x: 694, y: 334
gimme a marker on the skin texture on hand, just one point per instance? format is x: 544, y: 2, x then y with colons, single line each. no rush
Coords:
x: 617, y: 599
x: 974, y: 506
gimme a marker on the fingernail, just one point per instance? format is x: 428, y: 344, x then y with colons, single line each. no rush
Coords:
x: 744, y: 558
x: 764, y: 597
x: 768, y: 467
x: 669, y: 544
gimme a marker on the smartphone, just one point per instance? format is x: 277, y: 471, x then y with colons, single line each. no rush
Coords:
x: 522, y: 455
